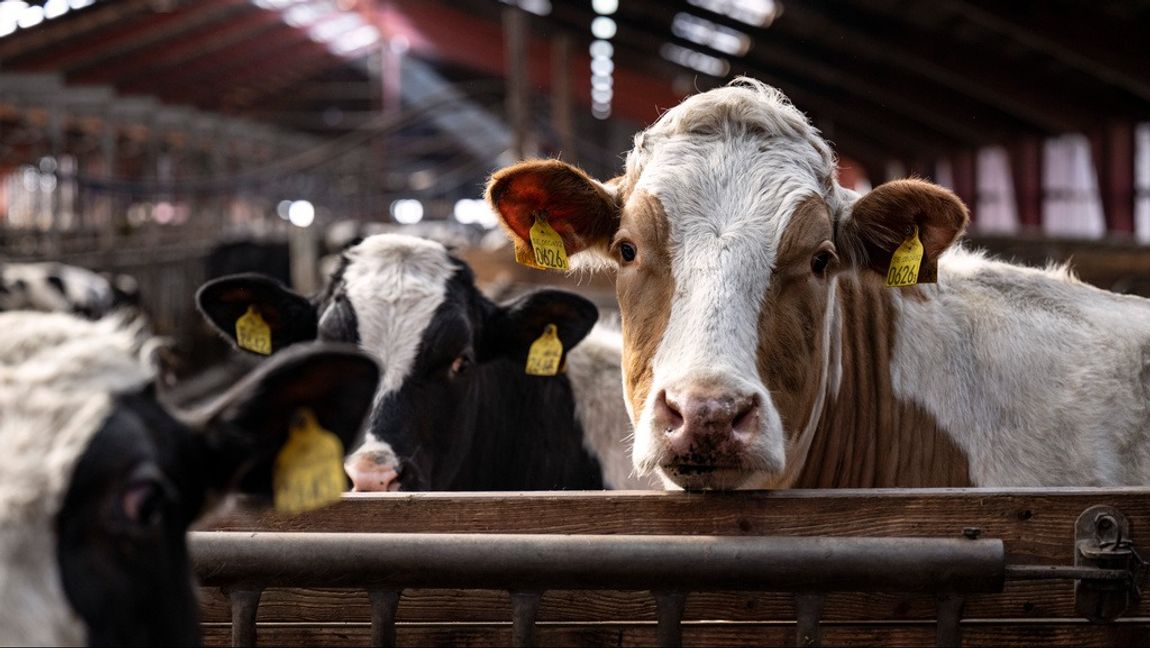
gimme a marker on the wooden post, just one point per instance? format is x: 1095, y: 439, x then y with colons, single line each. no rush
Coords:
x: 1026, y: 172
x: 515, y: 35
x: 561, y: 96
x: 965, y: 180
x: 1112, y: 149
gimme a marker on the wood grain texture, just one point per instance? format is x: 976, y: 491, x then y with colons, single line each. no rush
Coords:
x: 1036, y: 527
x: 893, y: 635
x: 1027, y: 600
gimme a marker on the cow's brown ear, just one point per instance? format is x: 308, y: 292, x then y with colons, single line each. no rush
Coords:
x: 881, y: 220
x: 583, y: 211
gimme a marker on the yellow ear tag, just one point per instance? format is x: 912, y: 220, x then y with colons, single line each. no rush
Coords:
x: 546, y: 353
x: 253, y: 333
x: 548, y: 245
x: 309, y: 468
x: 524, y: 256
x: 905, y: 262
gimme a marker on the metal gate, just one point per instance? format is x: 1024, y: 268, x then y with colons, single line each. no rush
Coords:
x: 1060, y: 567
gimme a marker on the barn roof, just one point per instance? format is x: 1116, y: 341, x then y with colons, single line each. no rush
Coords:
x: 884, y: 79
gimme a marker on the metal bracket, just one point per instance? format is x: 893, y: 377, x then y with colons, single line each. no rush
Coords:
x: 1102, y: 541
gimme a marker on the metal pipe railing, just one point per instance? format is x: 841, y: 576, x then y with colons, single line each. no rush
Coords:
x: 533, y: 562
x: 526, y: 565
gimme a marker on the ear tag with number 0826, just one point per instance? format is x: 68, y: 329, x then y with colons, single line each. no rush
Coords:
x: 549, y: 250
x: 253, y: 333
x: 904, y: 265
x: 309, y: 468
x: 546, y: 353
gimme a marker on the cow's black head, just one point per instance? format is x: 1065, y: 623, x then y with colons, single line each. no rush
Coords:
x: 117, y: 570
x: 453, y: 360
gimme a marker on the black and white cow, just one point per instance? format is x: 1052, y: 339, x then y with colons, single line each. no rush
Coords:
x: 99, y: 482
x: 60, y: 288
x: 455, y: 409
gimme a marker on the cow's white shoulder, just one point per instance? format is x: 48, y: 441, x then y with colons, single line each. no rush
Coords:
x: 596, y: 381
x: 1040, y: 374
x: 58, y: 374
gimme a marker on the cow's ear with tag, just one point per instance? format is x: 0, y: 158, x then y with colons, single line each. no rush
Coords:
x: 243, y: 432
x: 518, y: 324
x: 257, y: 313
x: 881, y: 221
x: 583, y: 212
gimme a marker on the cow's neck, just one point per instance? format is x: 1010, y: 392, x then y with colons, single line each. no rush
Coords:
x: 864, y: 435
x: 525, y: 434
x: 593, y: 367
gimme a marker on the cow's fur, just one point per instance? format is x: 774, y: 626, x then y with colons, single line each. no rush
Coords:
x: 58, y: 376
x: 413, y: 305
x: 996, y: 375
x: 98, y: 482
x: 59, y: 288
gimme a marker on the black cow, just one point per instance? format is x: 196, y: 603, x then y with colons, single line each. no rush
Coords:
x: 455, y: 409
x: 99, y: 482
x: 60, y: 288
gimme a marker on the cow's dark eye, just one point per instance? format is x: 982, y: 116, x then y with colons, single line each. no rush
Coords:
x: 821, y: 261
x: 461, y: 365
x: 142, y: 503
x: 627, y: 251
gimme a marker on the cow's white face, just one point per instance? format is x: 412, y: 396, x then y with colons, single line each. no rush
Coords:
x: 709, y: 222
x: 725, y: 230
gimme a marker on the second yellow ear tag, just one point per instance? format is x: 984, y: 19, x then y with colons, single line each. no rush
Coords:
x: 905, y: 263
x: 548, y: 245
x: 546, y: 353
x: 309, y: 468
x: 253, y: 333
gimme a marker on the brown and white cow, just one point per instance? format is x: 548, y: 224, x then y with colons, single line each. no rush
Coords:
x: 763, y: 349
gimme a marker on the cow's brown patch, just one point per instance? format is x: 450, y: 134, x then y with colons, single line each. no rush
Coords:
x: 867, y: 437
x: 792, y: 318
x: 644, y: 289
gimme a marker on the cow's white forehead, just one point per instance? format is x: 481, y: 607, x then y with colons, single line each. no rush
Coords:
x: 58, y: 375
x: 746, y: 109
x: 395, y: 283
x: 729, y: 167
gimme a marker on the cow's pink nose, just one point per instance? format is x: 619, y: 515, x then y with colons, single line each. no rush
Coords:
x: 706, y: 427
x: 373, y: 470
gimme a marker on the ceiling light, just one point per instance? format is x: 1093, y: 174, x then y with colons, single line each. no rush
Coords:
x: 699, y: 61
x: 605, y: 7
x: 603, y: 27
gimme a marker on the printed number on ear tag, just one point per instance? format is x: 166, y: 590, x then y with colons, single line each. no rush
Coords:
x: 550, y: 252
x: 546, y: 353
x: 905, y: 263
x: 253, y: 333
x: 309, y: 468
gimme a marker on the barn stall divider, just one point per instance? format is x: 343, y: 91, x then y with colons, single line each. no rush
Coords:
x: 976, y: 567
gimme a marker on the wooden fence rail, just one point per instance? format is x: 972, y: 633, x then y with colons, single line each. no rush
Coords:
x: 1036, y: 527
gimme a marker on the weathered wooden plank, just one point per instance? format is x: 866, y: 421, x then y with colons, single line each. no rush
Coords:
x: 1036, y: 525
x: 1020, y: 600
x: 894, y: 635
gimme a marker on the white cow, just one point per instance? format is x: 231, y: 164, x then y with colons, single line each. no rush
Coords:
x: 762, y: 347
x: 99, y: 482
x: 60, y: 288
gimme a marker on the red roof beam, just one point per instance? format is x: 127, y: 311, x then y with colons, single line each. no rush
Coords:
x: 195, y: 44
x: 211, y: 70
x: 447, y: 33
x: 104, y: 43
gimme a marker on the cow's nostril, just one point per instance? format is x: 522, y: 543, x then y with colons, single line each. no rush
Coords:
x: 746, y: 417
x: 668, y: 414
